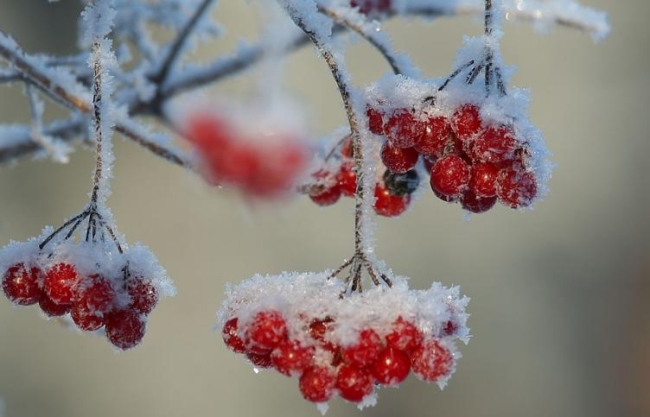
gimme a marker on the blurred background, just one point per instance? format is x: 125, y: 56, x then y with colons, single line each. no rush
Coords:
x: 560, y: 316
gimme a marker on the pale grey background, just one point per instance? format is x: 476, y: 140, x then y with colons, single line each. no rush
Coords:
x: 560, y: 317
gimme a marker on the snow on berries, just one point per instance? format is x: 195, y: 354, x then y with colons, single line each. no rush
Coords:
x: 258, y: 150
x: 97, y: 285
x: 341, y: 343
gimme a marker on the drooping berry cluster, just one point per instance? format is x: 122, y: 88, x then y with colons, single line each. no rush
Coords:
x: 392, y: 190
x: 97, y: 288
x: 300, y: 326
x: 262, y: 162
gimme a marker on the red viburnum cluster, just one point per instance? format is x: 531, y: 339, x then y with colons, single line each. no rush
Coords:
x: 392, y: 191
x: 469, y: 161
x: 300, y: 327
x: 262, y: 163
x: 97, y: 290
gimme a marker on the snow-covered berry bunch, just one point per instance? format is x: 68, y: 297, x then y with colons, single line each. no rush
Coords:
x: 337, y: 342
x: 256, y: 150
x: 336, y: 176
x: 100, y: 285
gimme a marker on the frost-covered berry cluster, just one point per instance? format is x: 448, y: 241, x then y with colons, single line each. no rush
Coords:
x: 336, y: 342
x: 96, y: 285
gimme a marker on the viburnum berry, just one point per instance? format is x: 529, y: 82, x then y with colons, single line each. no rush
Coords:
x: 398, y: 160
x: 290, y: 357
x: 375, y: 121
x: 354, y: 383
x: 404, y: 336
x: 260, y: 360
x: 347, y: 179
x: 231, y: 337
x: 495, y: 145
x: 364, y: 351
x: 52, y: 309
x: 402, y: 129
x: 434, y: 137
x: 466, y: 121
x: 318, y: 328
x: 144, y: 295
x: 21, y: 284
x: 328, y: 196
x: 347, y: 148
x: 265, y: 331
x: 392, y: 366
x: 475, y: 204
x: 92, y: 303
x: 389, y: 205
x: 401, y: 184
x: 483, y: 182
x: 124, y: 328
x: 317, y: 384
x: 450, y: 176
x: 60, y: 283
x: 431, y: 361
x: 516, y: 187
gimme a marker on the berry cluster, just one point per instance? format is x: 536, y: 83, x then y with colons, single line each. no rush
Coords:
x: 261, y: 163
x: 392, y: 191
x: 115, y: 293
x: 469, y: 161
x: 348, y: 346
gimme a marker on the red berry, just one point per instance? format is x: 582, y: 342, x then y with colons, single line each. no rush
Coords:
x: 279, y: 164
x: 392, y: 366
x: 318, y: 328
x: 495, y: 145
x: 50, y: 308
x: 144, y: 295
x: 125, y: 328
x: 328, y: 196
x: 516, y: 187
x: 450, y: 176
x: 347, y: 179
x: 317, y: 384
x: 466, y: 121
x: 432, y: 361
x: 474, y: 204
x: 265, y: 331
x: 398, y: 160
x: 404, y: 336
x: 290, y: 357
x: 402, y: 129
x: 60, y: 282
x: 231, y: 337
x: 347, y: 149
x: 389, y: 205
x: 354, y: 383
x: 483, y: 182
x: 92, y: 304
x: 260, y: 360
x: 364, y: 351
x: 375, y: 122
x: 21, y: 286
x: 436, y: 135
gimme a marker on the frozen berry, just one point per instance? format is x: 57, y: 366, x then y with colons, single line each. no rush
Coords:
x: 92, y: 304
x: 328, y: 196
x: 347, y: 179
x: 290, y: 357
x: 495, y: 145
x: 401, y: 184
x: 353, y: 383
x: 450, y: 175
x: 475, y: 204
x: 265, y: 331
x: 230, y: 334
x: 516, y: 187
x: 375, y: 121
x: 144, y: 295
x: 60, y: 282
x: 21, y: 285
x: 125, y: 328
x: 404, y: 336
x: 432, y: 361
x: 260, y: 360
x: 50, y: 308
x: 434, y: 137
x: 389, y: 205
x: 398, y: 160
x: 347, y: 148
x: 317, y: 384
x: 392, y: 366
x: 483, y: 182
x: 364, y: 351
x: 466, y: 121
x: 402, y: 129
